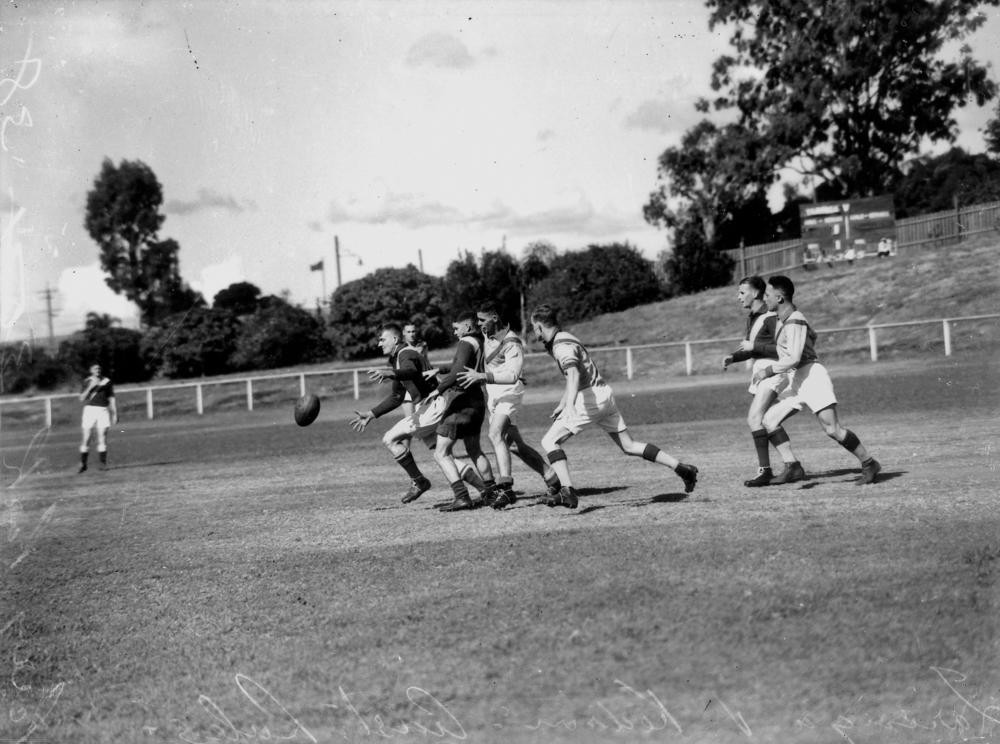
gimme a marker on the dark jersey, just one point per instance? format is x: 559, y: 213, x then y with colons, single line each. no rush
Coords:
x: 99, y: 395
x: 762, y: 331
x: 408, y: 364
x: 468, y: 353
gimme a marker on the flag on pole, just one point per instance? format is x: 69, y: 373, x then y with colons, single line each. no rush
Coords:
x: 318, y: 266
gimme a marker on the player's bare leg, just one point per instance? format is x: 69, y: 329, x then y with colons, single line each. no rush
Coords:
x: 552, y: 444
x: 778, y: 437
x: 84, y: 450
x: 652, y: 453
x: 847, y: 439
x: 399, y: 445
x: 532, y: 458
x: 445, y: 460
x: 762, y: 400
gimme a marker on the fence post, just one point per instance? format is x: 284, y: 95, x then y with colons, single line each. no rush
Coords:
x: 357, y: 388
x: 688, y: 362
x: 628, y: 363
x: 873, y: 343
x: 199, y: 400
x: 947, y: 337
x: 149, y: 403
x: 48, y: 413
x: 249, y: 394
x: 302, y: 384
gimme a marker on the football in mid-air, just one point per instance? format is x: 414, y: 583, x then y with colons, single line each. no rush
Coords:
x: 306, y: 409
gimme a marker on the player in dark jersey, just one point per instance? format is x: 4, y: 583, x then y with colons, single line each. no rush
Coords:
x: 588, y: 401
x: 464, y: 414
x: 758, y: 344
x: 100, y: 410
x: 406, y: 373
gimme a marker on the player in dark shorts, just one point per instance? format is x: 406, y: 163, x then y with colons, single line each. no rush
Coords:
x: 464, y: 415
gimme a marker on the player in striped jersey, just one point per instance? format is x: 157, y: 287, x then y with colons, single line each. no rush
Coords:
x: 803, y: 382
x: 587, y: 400
x: 758, y: 344
x: 504, y: 362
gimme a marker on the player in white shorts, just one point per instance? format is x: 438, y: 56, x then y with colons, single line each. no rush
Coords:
x: 803, y: 383
x: 100, y: 410
x: 758, y: 345
x: 504, y: 362
x: 588, y: 401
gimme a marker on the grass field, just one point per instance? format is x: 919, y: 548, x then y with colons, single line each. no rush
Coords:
x: 236, y: 578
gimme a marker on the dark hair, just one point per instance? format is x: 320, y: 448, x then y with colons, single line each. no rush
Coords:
x: 490, y: 308
x: 755, y: 282
x: 547, y: 315
x: 392, y: 328
x: 784, y: 285
x: 469, y: 315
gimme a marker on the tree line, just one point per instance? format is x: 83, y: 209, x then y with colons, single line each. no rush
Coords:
x: 843, y: 100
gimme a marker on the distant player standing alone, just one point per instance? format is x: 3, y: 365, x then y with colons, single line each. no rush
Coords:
x: 99, y: 412
x: 588, y: 400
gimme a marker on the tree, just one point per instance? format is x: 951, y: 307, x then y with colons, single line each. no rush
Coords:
x: 693, y: 265
x: 194, y: 343
x: 938, y: 183
x: 280, y: 335
x: 991, y: 133
x: 715, y: 173
x: 848, y: 92
x: 123, y: 217
x: 358, y: 308
x: 600, y: 279
x: 102, y: 341
x: 241, y: 298
x: 495, y: 278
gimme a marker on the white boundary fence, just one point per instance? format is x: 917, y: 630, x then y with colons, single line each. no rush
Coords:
x: 198, y: 388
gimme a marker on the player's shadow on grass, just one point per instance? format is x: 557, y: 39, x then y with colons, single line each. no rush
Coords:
x: 846, y: 475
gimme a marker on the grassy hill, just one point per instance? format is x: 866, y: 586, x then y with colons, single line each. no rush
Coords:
x: 926, y: 284
x: 920, y: 284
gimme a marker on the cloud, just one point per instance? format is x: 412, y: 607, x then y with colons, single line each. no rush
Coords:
x: 209, y: 199
x: 439, y: 50
x: 413, y: 212
x: 82, y: 290
x: 545, y: 135
x: 216, y: 277
x: 655, y: 115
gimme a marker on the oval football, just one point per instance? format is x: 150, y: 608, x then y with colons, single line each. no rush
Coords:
x: 306, y: 409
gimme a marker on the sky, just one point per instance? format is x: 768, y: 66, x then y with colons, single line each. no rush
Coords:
x: 410, y: 132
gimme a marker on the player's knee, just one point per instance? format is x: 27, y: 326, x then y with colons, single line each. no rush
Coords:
x: 549, y: 443
x: 388, y: 439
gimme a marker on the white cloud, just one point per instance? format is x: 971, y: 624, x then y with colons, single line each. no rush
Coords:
x: 82, y: 290
x: 439, y: 50
x: 216, y: 277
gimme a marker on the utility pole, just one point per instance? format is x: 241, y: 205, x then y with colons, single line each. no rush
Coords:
x: 420, y: 258
x: 336, y: 254
x: 49, y: 313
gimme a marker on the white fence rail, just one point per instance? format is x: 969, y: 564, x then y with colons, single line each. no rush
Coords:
x: 198, y: 388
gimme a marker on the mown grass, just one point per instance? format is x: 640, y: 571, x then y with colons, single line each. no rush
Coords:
x: 239, y: 579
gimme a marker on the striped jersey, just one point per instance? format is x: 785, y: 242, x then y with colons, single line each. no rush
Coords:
x: 100, y: 393
x: 796, y: 342
x: 569, y: 351
x: 504, y: 361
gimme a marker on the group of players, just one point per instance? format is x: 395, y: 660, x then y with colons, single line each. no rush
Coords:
x: 484, y: 379
x: 484, y: 382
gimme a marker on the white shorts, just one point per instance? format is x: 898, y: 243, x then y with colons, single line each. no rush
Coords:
x: 809, y: 387
x: 774, y: 383
x: 594, y: 406
x: 504, y: 400
x: 96, y: 416
x: 421, y: 423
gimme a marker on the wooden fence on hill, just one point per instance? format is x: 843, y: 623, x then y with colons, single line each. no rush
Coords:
x: 937, y: 230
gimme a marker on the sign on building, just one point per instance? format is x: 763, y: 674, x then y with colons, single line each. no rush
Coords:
x: 848, y: 229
